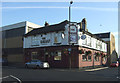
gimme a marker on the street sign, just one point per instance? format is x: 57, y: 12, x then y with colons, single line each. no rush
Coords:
x: 69, y: 49
x: 83, y: 37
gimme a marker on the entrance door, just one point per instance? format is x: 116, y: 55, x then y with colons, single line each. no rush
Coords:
x: 46, y: 58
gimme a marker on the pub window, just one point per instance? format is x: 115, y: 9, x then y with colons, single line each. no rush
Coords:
x: 34, y: 55
x: 57, y: 55
x: 88, y: 41
x: 96, y: 44
x: 89, y: 58
x: 41, y: 35
x: 84, y: 42
x: 104, y: 47
x: 104, y: 59
x: 52, y: 53
x: 96, y: 58
x: 84, y: 57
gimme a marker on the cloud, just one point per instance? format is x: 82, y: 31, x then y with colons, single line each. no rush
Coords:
x: 83, y: 8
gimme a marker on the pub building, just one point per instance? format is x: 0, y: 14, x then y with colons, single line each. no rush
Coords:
x: 64, y: 45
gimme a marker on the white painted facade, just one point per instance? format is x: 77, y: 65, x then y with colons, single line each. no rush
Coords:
x: 62, y: 38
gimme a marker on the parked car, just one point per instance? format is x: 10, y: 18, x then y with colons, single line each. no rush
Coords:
x: 114, y: 64
x: 3, y: 61
x: 37, y: 64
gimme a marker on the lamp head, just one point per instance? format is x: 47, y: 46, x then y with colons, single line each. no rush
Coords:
x: 71, y: 2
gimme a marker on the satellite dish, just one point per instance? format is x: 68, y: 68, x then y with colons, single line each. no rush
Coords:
x: 83, y: 37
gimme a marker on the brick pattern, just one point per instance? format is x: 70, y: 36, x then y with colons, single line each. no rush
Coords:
x: 74, y: 57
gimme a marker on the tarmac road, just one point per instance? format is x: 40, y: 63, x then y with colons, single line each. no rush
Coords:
x: 22, y: 74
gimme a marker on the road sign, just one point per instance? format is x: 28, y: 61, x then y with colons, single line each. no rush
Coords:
x: 69, y: 49
x: 83, y: 37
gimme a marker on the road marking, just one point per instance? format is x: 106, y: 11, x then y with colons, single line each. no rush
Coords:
x: 96, y: 69
x: 16, y: 78
x: 4, y: 77
x: 12, y: 77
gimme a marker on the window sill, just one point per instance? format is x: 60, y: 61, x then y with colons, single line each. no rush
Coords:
x: 84, y: 60
x: 89, y: 60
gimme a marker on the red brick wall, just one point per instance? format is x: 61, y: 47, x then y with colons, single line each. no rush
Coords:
x: 90, y: 63
x: 76, y: 58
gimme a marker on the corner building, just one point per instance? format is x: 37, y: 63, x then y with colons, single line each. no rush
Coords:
x: 63, y: 46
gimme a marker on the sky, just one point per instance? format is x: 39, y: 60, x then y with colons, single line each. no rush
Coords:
x: 101, y: 16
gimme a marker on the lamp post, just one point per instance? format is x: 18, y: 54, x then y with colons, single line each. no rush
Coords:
x: 69, y: 33
x: 70, y: 11
x: 93, y: 61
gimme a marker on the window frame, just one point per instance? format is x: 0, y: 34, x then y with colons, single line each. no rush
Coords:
x: 89, y: 59
x: 96, y: 58
x: 85, y: 56
x: 57, y: 56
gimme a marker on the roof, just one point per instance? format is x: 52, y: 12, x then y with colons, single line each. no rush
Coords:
x: 47, y: 29
x: 19, y: 25
x: 55, y: 28
x: 103, y: 35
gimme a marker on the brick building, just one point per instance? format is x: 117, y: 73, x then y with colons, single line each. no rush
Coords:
x: 63, y: 46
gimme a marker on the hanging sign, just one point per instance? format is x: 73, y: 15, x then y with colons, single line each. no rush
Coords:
x: 73, y: 38
x: 83, y: 37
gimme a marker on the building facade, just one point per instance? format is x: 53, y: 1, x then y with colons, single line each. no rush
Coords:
x: 110, y: 40
x: 67, y: 44
x: 12, y: 40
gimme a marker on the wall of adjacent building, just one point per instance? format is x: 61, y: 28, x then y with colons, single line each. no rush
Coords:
x: 12, y: 40
x: 112, y: 43
x: 113, y: 52
x: 12, y: 44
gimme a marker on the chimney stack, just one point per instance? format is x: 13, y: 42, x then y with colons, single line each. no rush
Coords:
x: 46, y: 23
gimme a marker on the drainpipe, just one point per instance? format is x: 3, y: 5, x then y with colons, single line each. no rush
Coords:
x: 93, y: 61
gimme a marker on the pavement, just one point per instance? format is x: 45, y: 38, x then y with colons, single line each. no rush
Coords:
x: 64, y: 69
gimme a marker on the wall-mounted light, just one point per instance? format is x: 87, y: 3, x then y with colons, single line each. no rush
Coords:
x: 63, y: 35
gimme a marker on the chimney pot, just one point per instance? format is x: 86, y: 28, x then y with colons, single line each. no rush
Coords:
x: 46, y: 23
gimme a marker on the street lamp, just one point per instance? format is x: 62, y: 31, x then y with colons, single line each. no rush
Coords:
x: 70, y: 19
x: 70, y: 11
x: 69, y: 33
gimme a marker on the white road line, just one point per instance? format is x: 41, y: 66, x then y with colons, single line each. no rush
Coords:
x: 4, y: 77
x: 16, y: 78
x: 96, y: 69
